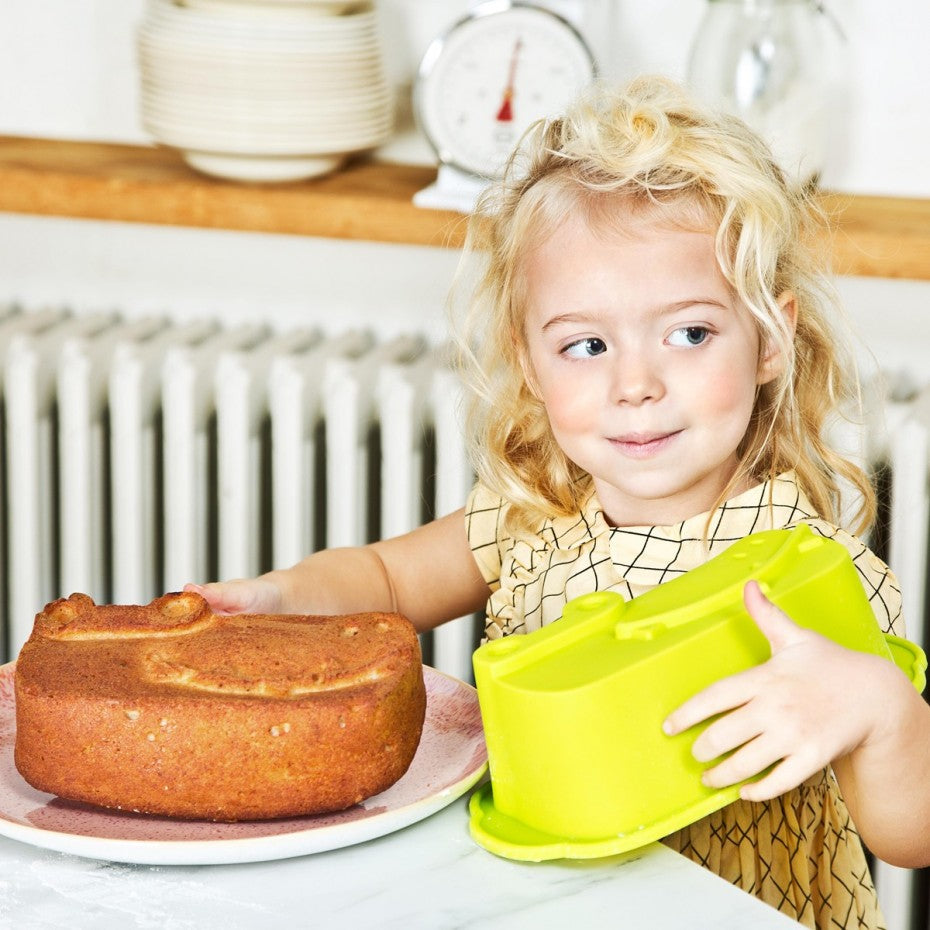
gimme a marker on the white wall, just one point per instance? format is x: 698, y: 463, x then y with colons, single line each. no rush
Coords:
x: 234, y: 277
x: 67, y: 70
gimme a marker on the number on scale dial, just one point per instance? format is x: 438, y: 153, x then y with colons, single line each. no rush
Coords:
x: 492, y: 75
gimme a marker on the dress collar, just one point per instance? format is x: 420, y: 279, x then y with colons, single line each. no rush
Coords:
x: 748, y: 512
x: 647, y: 555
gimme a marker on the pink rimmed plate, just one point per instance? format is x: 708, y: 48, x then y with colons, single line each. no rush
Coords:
x: 450, y: 759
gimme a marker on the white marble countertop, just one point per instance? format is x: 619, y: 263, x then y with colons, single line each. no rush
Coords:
x: 428, y: 875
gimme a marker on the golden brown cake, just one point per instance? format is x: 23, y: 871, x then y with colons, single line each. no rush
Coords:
x: 171, y: 709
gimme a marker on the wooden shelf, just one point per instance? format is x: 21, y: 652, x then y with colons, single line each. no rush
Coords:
x: 875, y: 236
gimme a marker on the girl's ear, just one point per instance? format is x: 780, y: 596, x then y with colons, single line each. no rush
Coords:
x: 772, y: 363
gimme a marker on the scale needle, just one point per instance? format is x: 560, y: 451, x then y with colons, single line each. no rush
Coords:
x: 505, y: 113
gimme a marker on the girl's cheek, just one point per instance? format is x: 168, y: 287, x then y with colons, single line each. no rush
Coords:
x: 569, y: 408
x: 725, y: 390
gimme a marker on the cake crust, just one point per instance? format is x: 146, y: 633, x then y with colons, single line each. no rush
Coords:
x: 169, y: 709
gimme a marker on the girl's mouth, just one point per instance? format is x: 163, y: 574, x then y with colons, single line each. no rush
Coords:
x: 643, y: 445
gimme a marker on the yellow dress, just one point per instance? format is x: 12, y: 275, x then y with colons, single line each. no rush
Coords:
x: 799, y: 853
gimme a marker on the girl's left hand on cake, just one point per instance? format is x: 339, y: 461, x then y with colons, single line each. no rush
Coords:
x: 241, y: 596
x: 812, y: 702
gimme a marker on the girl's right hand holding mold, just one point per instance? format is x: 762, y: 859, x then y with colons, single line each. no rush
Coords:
x: 815, y: 703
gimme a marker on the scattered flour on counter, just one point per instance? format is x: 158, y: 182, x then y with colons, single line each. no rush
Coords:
x: 54, y: 890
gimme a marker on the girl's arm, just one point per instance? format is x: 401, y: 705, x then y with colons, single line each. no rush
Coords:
x: 429, y: 575
x: 885, y: 780
x: 812, y: 704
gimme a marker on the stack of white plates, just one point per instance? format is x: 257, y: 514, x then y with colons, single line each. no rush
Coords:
x: 264, y: 90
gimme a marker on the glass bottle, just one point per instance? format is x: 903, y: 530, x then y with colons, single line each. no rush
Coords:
x: 776, y: 64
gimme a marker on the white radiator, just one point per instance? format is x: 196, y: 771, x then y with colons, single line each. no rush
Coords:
x: 904, y: 894
x: 139, y: 455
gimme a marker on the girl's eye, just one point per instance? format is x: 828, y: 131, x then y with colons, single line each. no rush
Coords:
x: 585, y: 348
x: 688, y: 336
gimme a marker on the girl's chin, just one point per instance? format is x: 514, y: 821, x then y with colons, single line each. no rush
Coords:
x: 655, y: 503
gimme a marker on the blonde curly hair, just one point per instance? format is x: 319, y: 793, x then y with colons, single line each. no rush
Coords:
x: 651, y: 149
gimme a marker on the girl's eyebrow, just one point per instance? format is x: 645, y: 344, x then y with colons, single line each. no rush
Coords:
x: 571, y: 317
x: 580, y: 316
x: 693, y: 302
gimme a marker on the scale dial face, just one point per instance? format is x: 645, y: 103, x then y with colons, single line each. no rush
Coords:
x: 492, y: 75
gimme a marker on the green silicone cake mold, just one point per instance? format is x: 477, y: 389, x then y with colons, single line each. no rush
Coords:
x: 579, y: 764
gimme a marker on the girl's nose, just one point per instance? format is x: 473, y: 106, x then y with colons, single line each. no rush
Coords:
x: 636, y: 380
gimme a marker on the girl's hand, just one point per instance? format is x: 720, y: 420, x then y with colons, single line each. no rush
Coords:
x: 810, y: 703
x: 242, y: 596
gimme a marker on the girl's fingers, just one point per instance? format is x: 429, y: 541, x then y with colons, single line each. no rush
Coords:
x: 772, y: 785
x: 749, y: 748
x: 774, y: 769
x: 732, y: 692
x: 721, y: 696
x: 727, y: 733
x: 220, y: 597
x: 779, y: 721
x: 748, y: 761
x: 777, y: 627
x: 787, y: 774
x: 254, y: 595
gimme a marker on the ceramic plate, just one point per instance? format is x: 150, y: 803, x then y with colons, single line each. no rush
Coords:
x: 450, y: 759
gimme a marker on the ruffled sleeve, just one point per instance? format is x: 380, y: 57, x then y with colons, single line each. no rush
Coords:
x: 484, y: 518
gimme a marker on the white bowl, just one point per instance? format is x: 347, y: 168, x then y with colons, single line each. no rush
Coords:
x: 245, y: 105
x: 216, y: 42
x: 251, y: 55
x: 219, y: 83
x: 292, y: 28
x: 264, y: 90
x: 270, y: 9
x: 262, y: 168
x: 247, y: 141
x: 303, y: 120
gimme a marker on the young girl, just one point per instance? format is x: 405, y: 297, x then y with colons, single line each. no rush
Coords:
x: 653, y: 368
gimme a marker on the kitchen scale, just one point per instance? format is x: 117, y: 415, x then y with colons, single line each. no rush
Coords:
x: 483, y: 82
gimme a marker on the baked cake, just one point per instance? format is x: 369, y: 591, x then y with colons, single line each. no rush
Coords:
x: 171, y: 709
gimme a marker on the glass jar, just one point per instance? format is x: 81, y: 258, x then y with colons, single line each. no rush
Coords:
x: 776, y: 64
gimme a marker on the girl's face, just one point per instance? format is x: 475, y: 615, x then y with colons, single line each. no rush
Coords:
x: 647, y: 364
